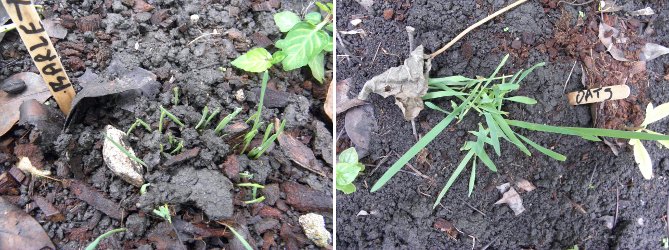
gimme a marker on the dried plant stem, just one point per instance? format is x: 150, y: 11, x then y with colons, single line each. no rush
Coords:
x: 474, y: 26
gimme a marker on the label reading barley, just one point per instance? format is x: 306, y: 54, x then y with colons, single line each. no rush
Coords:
x: 615, y: 92
x: 42, y: 52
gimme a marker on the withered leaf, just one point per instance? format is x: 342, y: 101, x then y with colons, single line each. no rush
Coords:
x: 359, y: 124
x: 343, y: 102
x: 525, y: 185
x: 18, y: 230
x: 407, y: 82
x: 300, y: 154
x: 329, y: 99
x: 511, y: 198
x: 10, y: 104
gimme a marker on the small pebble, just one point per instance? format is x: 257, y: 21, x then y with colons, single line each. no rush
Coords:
x: 13, y: 86
x: 516, y: 44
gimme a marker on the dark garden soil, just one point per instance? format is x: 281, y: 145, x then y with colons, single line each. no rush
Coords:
x: 573, y: 200
x: 107, y: 40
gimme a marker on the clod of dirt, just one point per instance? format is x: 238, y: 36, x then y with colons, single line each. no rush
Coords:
x: 511, y: 198
x: 208, y: 189
x: 406, y: 82
x: 118, y: 162
x: 137, y: 80
x: 306, y: 199
x: 323, y: 142
x: 314, y: 227
x: 10, y: 104
x: 46, y: 122
x: 19, y: 230
x: 359, y: 124
x: 300, y: 154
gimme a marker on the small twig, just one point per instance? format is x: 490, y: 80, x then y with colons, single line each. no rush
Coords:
x: 474, y: 26
x: 569, y: 77
x: 615, y: 218
x: 413, y: 127
x: 591, y: 177
x: 574, y: 3
x: 472, y: 207
x: 473, y: 241
x: 215, y: 32
x: 375, y: 53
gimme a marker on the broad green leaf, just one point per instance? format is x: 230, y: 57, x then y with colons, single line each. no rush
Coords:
x: 655, y: 114
x: 313, y: 18
x: 346, y: 172
x: 486, y: 160
x: 347, y: 189
x: 454, y: 176
x: 94, y: 244
x: 278, y: 57
x: 317, y: 66
x: 302, y: 43
x: 329, y: 27
x: 642, y: 158
x: 349, y: 156
x: 330, y: 5
x: 255, y: 60
x: 329, y: 46
x: 543, y: 150
x: 522, y: 99
x: 472, y: 178
x: 286, y: 20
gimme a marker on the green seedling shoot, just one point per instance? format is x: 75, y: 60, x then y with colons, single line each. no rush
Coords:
x: 96, y: 242
x: 137, y: 123
x: 306, y: 42
x: 164, y: 113
x: 221, y: 125
x: 178, y: 148
x: 125, y: 151
x: 175, y: 96
x: 241, y: 239
x: 246, y: 175
x: 142, y: 189
x: 256, y: 116
x: 486, y: 96
x: 347, y: 169
x: 164, y: 212
x: 254, y: 192
x: 206, y: 118
x: 267, y: 141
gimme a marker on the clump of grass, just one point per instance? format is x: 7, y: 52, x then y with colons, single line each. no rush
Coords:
x: 96, y: 242
x: 487, y: 100
x: 206, y: 118
x: 164, y: 113
x: 137, y: 123
x: 254, y: 192
x: 221, y: 125
x: 267, y: 140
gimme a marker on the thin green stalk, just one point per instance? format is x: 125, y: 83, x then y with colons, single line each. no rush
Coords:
x: 256, y: 200
x: 221, y: 125
x: 590, y: 133
x: 137, y: 123
x: 96, y: 242
x: 175, y: 97
x: 125, y: 151
x: 241, y: 239
x: 205, y: 113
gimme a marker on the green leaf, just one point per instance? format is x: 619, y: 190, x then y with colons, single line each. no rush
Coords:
x: 450, y: 80
x: 317, y: 66
x: 255, y: 60
x: 528, y: 71
x: 347, y: 189
x: 454, y: 176
x: 349, y: 156
x: 329, y: 46
x: 510, y: 135
x: 543, y: 150
x: 495, y: 133
x: 508, y: 86
x: 642, y: 158
x: 346, y: 172
x: 94, y: 244
x: 522, y: 99
x: 286, y: 20
x: 435, y: 107
x: 439, y: 94
x: 588, y: 132
x: 472, y: 178
x: 302, y: 43
x: 278, y: 57
x: 241, y: 239
x: 313, y: 18
x: 655, y: 114
x: 325, y: 8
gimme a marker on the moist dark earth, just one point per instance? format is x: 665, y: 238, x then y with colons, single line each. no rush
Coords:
x: 107, y: 40
x: 573, y: 198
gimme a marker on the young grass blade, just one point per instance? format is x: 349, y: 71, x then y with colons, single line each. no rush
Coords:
x: 211, y: 117
x: 495, y: 133
x: 511, y: 136
x: 94, y: 244
x: 543, y: 150
x: 439, y: 94
x: 241, y: 239
x: 435, y: 107
x: 522, y: 99
x: 472, y: 178
x: 486, y: 160
x: 454, y: 176
x: 172, y: 117
x: 221, y: 125
x: 501, y: 64
x: 590, y: 132
x: 450, y: 80
x: 433, y: 133
x: 125, y: 151
x: 528, y: 71
x: 205, y: 113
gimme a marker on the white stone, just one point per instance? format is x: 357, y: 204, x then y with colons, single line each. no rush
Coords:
x: 117, y: 161
x: 314, y: 227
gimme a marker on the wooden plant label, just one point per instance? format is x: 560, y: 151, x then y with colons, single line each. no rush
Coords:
x: 42, y: 52
x: 615, y: 92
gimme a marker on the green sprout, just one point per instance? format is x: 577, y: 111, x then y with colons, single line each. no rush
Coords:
x: 137, y: 123
x: 254, y: 192
x: 487, y: 100
x: 221, y: 125
x: 506, y: 29
x: 246, y: 245
x: 206, y: 118
x: 96, y: 242
x: 267, y: 141
x: 256, y: 116
x: 175, y: 97
x: 178, y: 148
x: 125, y: 151
x: 163, y: 212
x: 347, y: 169
x: 142, y: 189
x: 246, y: 175
x: 581, y: 14
x: 665, y: 243
x: 163, y: 114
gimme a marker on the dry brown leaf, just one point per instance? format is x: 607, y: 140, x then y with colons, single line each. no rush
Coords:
x: 329, y: 106
x: 359, y: 124
x: 511, y: 198
x: 407, y: 82
x: 300, y: 154
x: 18, y: 230
x: 525, y: 185
x: 10, y: 104
x: 447, y: 227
